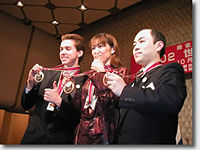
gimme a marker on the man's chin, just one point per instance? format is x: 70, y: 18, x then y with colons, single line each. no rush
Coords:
x: 65, y: 62
x: 138, y: 61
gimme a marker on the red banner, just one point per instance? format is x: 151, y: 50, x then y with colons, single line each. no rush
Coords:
x: 181, y: 53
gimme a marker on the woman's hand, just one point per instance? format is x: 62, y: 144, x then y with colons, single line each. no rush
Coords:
x: 97, y: 65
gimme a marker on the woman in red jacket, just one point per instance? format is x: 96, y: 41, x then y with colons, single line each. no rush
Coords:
x: 99, y: 116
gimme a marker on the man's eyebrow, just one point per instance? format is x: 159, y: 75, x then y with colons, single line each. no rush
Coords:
x: 66, y: 47
x: 140, y: 38
x: 134, y: 42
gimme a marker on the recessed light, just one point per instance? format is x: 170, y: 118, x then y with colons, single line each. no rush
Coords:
x: 83, y: 8
x: 55, y: 22
x: 20, y: 4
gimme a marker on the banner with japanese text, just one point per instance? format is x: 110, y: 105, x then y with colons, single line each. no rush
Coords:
x: 181, y: 53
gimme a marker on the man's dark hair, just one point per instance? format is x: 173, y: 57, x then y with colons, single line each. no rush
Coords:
x: 158, y: 36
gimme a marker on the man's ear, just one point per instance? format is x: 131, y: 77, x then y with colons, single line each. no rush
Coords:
x: 159, y: 45
x: 80, y: 53
x: 112, y: 51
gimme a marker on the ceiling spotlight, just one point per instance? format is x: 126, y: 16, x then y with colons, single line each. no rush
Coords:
x: 54, y: 22
x: 83, y: 8
x: 20, y: 4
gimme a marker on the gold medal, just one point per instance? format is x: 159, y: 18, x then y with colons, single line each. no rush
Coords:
x: 39, y: 77
x: 105, y: 79
x: 69, y: 87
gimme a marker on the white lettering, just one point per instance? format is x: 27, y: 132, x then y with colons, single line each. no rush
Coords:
x: 164, y: 59
x: 188, y: 52
x: 171, y: 56
x: 179, y: 47
x: 182, y: 61
x: 189, y: 60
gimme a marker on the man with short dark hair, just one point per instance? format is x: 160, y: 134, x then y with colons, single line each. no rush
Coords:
x: 149, y: 107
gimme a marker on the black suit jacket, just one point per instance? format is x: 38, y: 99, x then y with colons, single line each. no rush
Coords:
x: 150, y: 107
x: 50, y: 127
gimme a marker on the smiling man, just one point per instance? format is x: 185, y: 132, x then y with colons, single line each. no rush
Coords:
x: 150, y: 105
x: 54, y: 118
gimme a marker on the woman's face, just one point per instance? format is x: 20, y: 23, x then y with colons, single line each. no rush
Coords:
x: 102, y: 51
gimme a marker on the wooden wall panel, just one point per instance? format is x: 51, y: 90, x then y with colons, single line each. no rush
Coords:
x: 21, y: 47
x: 17, y: 128
x: 14, y: 126
x: 44, y: 50
x: 2, y: 115
x: 13, y: 44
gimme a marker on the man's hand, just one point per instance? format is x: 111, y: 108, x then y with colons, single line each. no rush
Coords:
x: 115, y: 83
x: 52, y: 95
x: 31, y: 76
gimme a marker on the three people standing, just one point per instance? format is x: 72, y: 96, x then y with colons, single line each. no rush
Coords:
x: 149, y: 106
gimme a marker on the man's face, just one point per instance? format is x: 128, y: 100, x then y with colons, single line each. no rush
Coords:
x: 144, y: 49
x: 68, y: 53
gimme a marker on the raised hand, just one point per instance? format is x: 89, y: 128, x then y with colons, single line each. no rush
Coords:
x: 31, y: 80
x: 52, y: 95
x: 97, y: 65
x: 115, y: 83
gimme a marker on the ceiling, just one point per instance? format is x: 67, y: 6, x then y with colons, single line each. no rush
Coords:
x: 62, y: 16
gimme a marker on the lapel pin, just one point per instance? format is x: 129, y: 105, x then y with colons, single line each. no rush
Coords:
x: 144, y: 79
x: 78, y: 86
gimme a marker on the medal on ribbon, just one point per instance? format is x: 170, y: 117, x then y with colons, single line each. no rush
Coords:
x: 39, y: 76
x: 68, y: 87
x: 105, y: 79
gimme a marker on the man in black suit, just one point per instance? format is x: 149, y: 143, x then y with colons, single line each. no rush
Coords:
x: 149, y: 107
x: 55, y: 116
